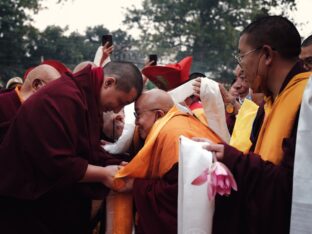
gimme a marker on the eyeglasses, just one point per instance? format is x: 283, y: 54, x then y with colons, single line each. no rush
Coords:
x: 138, y: 114
x: 239, y: 57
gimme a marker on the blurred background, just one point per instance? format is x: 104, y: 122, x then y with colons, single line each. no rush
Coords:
x: 70, y: 31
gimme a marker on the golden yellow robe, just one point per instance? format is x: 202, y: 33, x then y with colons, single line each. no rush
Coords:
x: 278, y: 122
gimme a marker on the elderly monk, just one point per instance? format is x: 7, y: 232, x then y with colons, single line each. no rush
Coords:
x: 154, y: 169
x: 51, y: 160
x: 11, y: 100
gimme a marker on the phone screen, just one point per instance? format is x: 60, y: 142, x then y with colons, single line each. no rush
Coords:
x: 107, y: 38
x: 153, y: 57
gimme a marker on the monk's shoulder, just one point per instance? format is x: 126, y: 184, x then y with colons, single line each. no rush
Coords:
x: 9, y: 105
x: 176, y: 125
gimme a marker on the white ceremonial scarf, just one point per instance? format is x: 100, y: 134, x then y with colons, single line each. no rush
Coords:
x: 212, y: 102
x: 301, y: 213
x: 195, y: 210
x: 213, y: 105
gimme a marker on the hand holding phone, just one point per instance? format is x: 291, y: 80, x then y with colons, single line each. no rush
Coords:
x: 153, y: 57
x: 107, y: 39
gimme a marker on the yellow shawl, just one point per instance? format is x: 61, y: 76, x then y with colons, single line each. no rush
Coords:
x: 279, y: 119
x: 240, y: 138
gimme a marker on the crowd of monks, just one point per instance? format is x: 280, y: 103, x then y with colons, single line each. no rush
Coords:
x: 70, y: 162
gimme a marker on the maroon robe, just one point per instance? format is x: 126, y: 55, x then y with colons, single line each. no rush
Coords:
x: 9, y: 105
x: 262, y: 203
x: 45, y: 153
x: 157, y: 202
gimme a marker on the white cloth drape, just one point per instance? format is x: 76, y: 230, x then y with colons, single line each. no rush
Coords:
x: 301, y: 215
x: 212, y: 102
x: 195, y: 210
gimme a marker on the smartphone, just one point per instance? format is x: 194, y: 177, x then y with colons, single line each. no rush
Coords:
x: 107, y: 38
x: 153, y: 57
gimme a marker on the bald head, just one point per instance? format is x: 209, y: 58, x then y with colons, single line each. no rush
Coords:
x: 43, y: 72
x: 149, y: 107
x: 83, y: 65
x: 155, y: 98
x: 37, y: 78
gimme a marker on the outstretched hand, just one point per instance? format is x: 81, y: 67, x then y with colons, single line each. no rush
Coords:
x: 106, y: 51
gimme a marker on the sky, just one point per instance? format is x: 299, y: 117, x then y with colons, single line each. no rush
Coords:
x: 79, y: 14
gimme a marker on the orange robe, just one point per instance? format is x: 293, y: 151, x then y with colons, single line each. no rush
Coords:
x: 155, y: 186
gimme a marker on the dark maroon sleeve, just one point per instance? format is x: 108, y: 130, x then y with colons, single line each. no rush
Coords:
x: 9, y: 105
x: 156, y: 203
x: 106, y: 158
x: 42, y: 150
x: 263, y: 201
x: 230, y: 121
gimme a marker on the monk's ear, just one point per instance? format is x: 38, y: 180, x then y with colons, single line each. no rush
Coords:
x: 268, y: 54
x: 37, y: 84
x: 160, y: 113
x: 109, y: 81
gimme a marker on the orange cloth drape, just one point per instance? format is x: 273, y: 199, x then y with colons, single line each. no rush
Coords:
x: 119, y: 213
x: 161, y: 148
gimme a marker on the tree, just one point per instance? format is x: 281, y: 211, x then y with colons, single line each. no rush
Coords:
x: 124, y: 44
x: 208, y: 30
x: 15, y: 30
x: 75, y: 48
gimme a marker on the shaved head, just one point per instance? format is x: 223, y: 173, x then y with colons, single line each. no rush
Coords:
x: 156, y: 98
x: 44, y: 72
x: 37, y: 78
x: 149, y: 107
x: 83, y: 65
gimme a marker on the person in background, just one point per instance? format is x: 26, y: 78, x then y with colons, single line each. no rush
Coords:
x: 306, y: 53
x: 11, y: 100
x: 113, y: 125
x: 234, y: 98
x: 13, y: 82
x: 241, y: 85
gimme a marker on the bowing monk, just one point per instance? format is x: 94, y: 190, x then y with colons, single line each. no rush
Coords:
x: 11, y: 100
x: 51, y: 162
x: 154, y: 169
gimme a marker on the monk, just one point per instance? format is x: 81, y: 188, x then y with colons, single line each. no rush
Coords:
x: 113, y: 125
x: 51, y: 162
x: 11, y: 100
x: 154, y: 169
x: 306, y: 53
x: 268, y: 54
